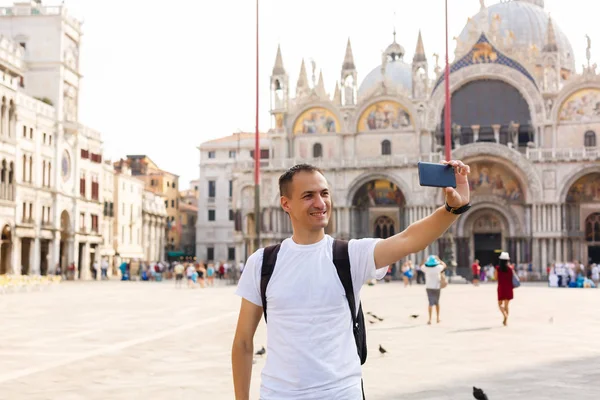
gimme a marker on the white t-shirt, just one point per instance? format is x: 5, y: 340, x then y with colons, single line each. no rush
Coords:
x: 595, y: 272
x: 432, y: 276
x: 311, y: 352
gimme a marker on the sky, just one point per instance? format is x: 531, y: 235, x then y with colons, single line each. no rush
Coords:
x: 160, y: 78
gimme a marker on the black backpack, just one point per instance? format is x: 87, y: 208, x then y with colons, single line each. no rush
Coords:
x: 341, y: 260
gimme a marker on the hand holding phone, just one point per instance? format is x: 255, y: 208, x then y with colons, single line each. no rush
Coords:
x: 436, y: 175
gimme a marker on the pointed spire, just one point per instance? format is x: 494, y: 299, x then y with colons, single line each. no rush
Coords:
x: 348, y: 58
x: 278, y: 67
x: 302, y: 79
x: 321, y: 85
x: 337, y: 95
x: 420, y: 51
x: 551, y: 45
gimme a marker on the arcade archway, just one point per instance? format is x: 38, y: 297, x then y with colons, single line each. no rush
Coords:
x: 5, y: 250
x: 377, y: 209
x: 582, y: 211
x: 489, y: 110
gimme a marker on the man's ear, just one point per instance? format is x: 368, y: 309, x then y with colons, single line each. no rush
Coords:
x: 285, y: 204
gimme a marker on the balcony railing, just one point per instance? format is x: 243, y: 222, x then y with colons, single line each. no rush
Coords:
x: 327, y: 163
x: 553, y: 155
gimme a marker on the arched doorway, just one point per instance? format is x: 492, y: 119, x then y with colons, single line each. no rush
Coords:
x: 592, y: 237
x: 375, y: 199
x: 487, y: 238
x: 65, y: 240
x: 582, y: 210
x: 489, y: 110
x: 5, y: 250
x: 384, y: 227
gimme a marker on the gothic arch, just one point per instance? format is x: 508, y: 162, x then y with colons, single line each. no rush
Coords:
x: 307, y: 106
x: 464, y: 226
x: 511, y: 159
x: 487, y: 71
x: 573, y: 177
x: 400, y: 99
x: 369, y: 176
x: 568, y: 90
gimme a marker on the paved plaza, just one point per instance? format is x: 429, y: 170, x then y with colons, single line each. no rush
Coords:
x: 141, y: 340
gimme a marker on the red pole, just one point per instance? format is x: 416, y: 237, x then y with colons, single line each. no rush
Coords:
x: 257, y: 216
x: 256, y: 139
x: 447, y: 109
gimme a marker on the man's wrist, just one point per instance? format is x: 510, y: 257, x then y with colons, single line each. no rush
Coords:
x: 458, y: 210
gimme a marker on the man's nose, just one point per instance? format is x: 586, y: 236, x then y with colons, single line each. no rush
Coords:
x: 319, y: 202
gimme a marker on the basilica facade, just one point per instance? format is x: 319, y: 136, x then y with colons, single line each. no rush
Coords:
x: 523, y: 117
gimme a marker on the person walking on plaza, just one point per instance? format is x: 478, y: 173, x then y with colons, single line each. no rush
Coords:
x: 312, y: 351
x: 179, y: 269
x: 476, y: 270
x: 504, y: 276
x: 433, y: 269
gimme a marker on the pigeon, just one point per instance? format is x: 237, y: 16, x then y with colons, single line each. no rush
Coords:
x: 380, y: 319
x: 371, y: 322
x: 382, y: 350
x: 479, y: 394
x: 414, y: 316
x: 261, y: 351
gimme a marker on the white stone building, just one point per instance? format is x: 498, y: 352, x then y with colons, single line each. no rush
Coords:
x: 58, y: 161
x: 154, y: 215
x: 216, y: 213
x: 107, y: 248
x: 128, y: 223
x: 523, y: 117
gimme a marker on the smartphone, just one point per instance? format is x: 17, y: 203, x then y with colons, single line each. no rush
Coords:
x: 436, y: 175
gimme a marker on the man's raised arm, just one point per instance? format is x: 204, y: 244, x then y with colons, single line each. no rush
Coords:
x: 422, y: 233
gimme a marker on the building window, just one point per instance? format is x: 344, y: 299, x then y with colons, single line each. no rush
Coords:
x: 82, y: 222
x: 24, y: 212
x: 82, y: 185
x: 30, y: 133
x: 44, y: 138
x: 94, y: 223
x: 30, y: 211
x: 211, y: 215
x: 49, y: 180
x: 43, y: 173
x: 166, y: 203
x: 211, y: 154
x: 173, y: 185
x: 231, y: 215
x: 212, y: 188
x: 172, y: 203
x: 231, y: 153
x: 24, y: 131
x: 50, y: 140
x: 30, y: 169
x: 231, y: 253
x: 386, y: 148
x: 24, y: 168
x: 264, y: 154
x: 230, y: 188
x: 210, y: 253
x: 317, y: 150
x: 589, y: 139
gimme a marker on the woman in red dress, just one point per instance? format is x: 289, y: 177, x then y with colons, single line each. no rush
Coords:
x: 504, y: 274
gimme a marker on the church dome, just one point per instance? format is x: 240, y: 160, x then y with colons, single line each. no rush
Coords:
x: 397, y: 72
x: 528, y: 21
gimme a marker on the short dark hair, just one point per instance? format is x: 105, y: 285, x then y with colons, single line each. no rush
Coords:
x: 286, y: 178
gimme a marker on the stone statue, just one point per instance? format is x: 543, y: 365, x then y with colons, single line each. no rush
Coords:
x: 482, y: 2
x: 437, y: 68
x: 588, y: 54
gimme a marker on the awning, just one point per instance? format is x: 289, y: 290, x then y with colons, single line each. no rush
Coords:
x: 175, y: 254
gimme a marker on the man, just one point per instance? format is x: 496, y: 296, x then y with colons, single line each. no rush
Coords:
x: 311, y: 352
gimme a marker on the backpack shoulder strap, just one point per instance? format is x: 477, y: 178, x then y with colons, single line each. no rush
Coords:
x: 341, y: 260
x: 268, y: 265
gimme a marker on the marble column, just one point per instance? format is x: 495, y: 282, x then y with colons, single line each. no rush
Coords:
x: 35, y: 257
x: 518, y: 255
x: 475, y: 129
x: 496, y: 128
x: 544, y: 261
x: 162, y: 241
x: 535, y: 253
x: 16, y: 256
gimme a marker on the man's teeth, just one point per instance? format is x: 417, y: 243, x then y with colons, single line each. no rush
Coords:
x: 318, y: 213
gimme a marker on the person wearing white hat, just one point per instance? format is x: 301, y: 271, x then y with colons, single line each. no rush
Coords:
x: 504, y: 275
